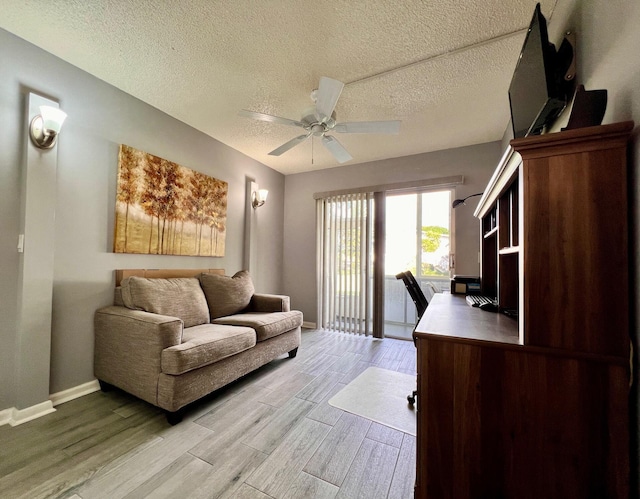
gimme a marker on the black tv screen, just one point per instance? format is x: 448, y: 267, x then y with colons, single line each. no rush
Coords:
x: 536, y: 96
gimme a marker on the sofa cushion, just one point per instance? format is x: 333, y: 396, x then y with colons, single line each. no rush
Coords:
x: 180, y: 297
x: 227, y: 295
x: 266, y: 325
x: 206, y: 344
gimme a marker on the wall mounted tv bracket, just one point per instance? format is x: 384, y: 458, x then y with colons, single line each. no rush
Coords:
x: 566, y: 62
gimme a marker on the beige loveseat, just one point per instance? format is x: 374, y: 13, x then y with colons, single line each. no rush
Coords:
x: 173, y: 340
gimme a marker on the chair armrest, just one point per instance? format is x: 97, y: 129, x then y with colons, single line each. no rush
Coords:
x: 269, y: 303
x: 128, y: 348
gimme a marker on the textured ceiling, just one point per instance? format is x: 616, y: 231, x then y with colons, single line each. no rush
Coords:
x: 442, y: 67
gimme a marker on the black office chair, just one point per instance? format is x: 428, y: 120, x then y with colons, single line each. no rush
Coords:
x: 419, y: 300
x: 421, y: 303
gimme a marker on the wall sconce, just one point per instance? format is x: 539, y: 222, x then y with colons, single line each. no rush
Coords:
x: 258, y: 197
x: 45, y: 127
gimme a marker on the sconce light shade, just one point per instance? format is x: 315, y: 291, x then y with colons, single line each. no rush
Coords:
x: 45, y: 127
x: 258, y: 198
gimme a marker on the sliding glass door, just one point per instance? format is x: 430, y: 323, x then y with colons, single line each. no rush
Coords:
x: 418, y: 238
x: 364, y: 240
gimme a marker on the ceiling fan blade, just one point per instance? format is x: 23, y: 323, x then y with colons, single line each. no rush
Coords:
x: 267, y: 117
x: 327, y: 97
x: 368, y: 127
x: 336, y: 148
x: 289, y: 145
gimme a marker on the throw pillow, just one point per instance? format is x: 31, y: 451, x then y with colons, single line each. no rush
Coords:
x: 180, y: 297
x: 227, y: 295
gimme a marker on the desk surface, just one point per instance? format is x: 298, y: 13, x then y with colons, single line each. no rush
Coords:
x: 450, y: 315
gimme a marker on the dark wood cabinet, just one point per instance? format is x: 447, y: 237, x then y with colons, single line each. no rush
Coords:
x: 533, y: 401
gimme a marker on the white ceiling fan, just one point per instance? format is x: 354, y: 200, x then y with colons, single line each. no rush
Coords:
x: 320, y: 120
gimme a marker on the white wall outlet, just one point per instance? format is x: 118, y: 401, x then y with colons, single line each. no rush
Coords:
x: 21, y: 243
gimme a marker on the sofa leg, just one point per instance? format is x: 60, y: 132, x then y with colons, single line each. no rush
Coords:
x: 173, y: 418
x: 104, y: 386
x: 293, y: 353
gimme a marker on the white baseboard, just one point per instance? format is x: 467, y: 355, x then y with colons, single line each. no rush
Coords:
x: 5, y: 416
x: 19, y: 416
x: 309, y: 325
x: 15, y: 417
x: 75, y: 392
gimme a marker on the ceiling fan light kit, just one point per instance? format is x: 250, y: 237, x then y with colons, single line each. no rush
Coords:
x: 318, y: 121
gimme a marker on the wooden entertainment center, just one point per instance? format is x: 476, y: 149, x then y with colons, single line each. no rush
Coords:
x: 532, y: 402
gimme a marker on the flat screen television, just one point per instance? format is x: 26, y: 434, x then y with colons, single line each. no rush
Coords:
x: 538, y: 92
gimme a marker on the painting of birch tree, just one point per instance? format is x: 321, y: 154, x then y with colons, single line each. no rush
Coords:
x: 163, y: 208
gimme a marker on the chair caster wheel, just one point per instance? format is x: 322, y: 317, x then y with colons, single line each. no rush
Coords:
x: 411, y: 398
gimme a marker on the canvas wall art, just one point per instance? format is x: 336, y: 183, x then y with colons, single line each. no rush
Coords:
x: 163, y: 208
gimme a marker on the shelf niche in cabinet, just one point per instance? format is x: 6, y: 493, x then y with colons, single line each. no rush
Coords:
x: 489, y: 264
x: 508, y: 218
x: 508, y: 282
x: 500, y: 224
x: 490, y: 223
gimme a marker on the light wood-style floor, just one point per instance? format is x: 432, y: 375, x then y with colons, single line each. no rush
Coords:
x: 270, y: 435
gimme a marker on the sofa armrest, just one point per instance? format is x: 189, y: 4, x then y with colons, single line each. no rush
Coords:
x: 128, y: 348
x: 269, y: 303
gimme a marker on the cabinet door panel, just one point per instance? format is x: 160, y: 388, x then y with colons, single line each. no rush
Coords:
x: 515, y: 423
x: 575, y: 264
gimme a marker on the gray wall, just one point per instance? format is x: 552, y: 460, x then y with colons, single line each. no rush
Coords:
x: 100, y: 118
x: 475, y: 163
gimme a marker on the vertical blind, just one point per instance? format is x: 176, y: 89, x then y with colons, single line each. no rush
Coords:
x: 345, y: 263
